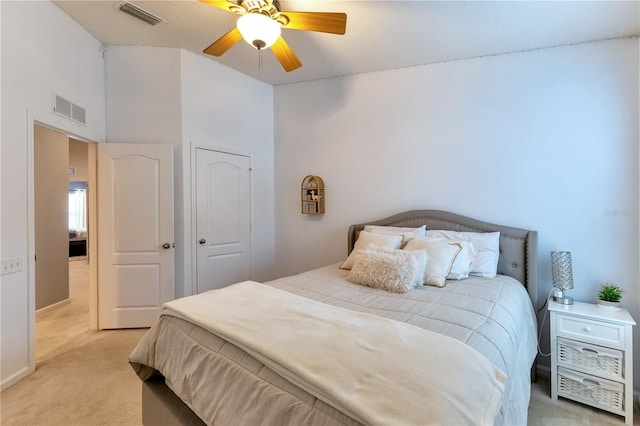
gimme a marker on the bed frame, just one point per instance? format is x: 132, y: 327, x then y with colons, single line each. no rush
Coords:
x: 518, y: 259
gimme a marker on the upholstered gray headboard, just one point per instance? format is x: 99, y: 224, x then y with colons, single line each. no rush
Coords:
x: 518, y: 247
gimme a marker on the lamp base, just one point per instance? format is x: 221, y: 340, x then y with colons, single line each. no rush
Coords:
x: 563, y: 300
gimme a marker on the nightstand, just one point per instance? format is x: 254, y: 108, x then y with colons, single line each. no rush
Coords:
x: 592, y: 356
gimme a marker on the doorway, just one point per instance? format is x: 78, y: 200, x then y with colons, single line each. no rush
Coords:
x: 136, y: 199
x: 51, y: 159
x: 62, y: 174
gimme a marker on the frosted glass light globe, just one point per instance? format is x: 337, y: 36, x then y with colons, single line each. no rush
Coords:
x: 258, y: 30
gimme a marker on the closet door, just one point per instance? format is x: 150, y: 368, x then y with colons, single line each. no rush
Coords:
x: 223, y: 219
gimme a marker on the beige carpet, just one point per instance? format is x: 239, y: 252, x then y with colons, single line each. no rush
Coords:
x: 544, y: 411
x: 83, y: 378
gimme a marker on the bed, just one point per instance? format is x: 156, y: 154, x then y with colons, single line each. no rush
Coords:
x: 77, y: 242
x: 186, y: 369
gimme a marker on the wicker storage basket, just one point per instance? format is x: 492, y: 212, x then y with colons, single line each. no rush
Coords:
x: 603, y: 362
x: 594, y: 391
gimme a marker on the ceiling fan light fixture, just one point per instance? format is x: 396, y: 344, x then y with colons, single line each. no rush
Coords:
x: 258, y: 30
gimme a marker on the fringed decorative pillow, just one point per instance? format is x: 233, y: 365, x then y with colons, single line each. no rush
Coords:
x: 486, y: 244
x: 441, y: 257
x: 463, y: 263
x: 396, y: 271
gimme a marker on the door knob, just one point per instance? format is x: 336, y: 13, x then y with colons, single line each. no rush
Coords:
x: 166, y: 246
x: 202, y: 241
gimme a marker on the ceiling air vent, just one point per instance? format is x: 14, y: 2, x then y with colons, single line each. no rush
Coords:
x: 68, y: 109
x: 139, y: 13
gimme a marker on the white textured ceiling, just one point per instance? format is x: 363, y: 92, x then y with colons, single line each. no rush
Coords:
x: 380, y: 35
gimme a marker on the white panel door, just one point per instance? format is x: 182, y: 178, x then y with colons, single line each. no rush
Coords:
x: 223, y: 219
x: 135, y: 233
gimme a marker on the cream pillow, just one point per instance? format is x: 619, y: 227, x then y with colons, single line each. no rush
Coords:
x: 487, y: 245
x: 396, y: 271
x: 440, y: 258
x: 463, y: 264
x: 407, y: 233
x: 365, y: 238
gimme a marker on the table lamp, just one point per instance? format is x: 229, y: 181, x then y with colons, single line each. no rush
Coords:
x: 562, y: 275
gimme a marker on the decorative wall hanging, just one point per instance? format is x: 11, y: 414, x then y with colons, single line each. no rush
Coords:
x: 312, y: 195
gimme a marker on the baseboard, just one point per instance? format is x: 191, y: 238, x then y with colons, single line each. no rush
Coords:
x: 15, y: 378
x: 52, y: 306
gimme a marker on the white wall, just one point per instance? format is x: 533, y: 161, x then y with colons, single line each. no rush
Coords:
x: 143, y: 94
x: 544, y: 140
x: 228, y: 111
x: 43, y: 51
x: 163, y: 95
x: 144, y: 106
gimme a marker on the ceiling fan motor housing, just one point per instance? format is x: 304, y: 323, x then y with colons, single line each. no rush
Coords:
x: 251, y: 5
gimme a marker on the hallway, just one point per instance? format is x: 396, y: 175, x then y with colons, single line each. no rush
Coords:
x: 58, y: 327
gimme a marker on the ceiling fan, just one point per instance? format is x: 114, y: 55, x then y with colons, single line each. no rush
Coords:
x: 260, y: 23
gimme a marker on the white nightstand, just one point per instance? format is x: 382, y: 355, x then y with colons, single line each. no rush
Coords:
x: 592, y: 356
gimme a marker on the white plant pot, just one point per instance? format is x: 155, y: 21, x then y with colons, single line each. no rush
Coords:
x: 609, y: 306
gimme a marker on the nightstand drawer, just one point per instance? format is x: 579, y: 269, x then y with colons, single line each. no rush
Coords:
x: 591, y: 331
x: 592, y: 359
x: 591, y: 390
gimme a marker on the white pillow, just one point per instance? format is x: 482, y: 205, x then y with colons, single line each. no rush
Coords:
x: 396, y: 271
x: 487, y: 245
x: 440, y: 258
x: 407, y: 233
x: 366, y: 238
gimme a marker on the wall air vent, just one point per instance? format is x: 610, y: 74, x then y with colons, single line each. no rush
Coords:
x: 139, y: 13
x: 68, y: 109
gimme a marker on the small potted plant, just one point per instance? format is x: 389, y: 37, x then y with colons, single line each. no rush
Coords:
x: 609, y: 297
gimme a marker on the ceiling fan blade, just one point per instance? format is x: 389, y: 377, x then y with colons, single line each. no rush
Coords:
x: 224, y: 43
x: 222, y: 4
x: 285, y: 55
x: 324, y: 22
x: 228, y: 5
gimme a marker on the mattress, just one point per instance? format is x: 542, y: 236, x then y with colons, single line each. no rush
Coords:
x: 493, y: 316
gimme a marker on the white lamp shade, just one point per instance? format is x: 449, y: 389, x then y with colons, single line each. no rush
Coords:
x: 257, y: 29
